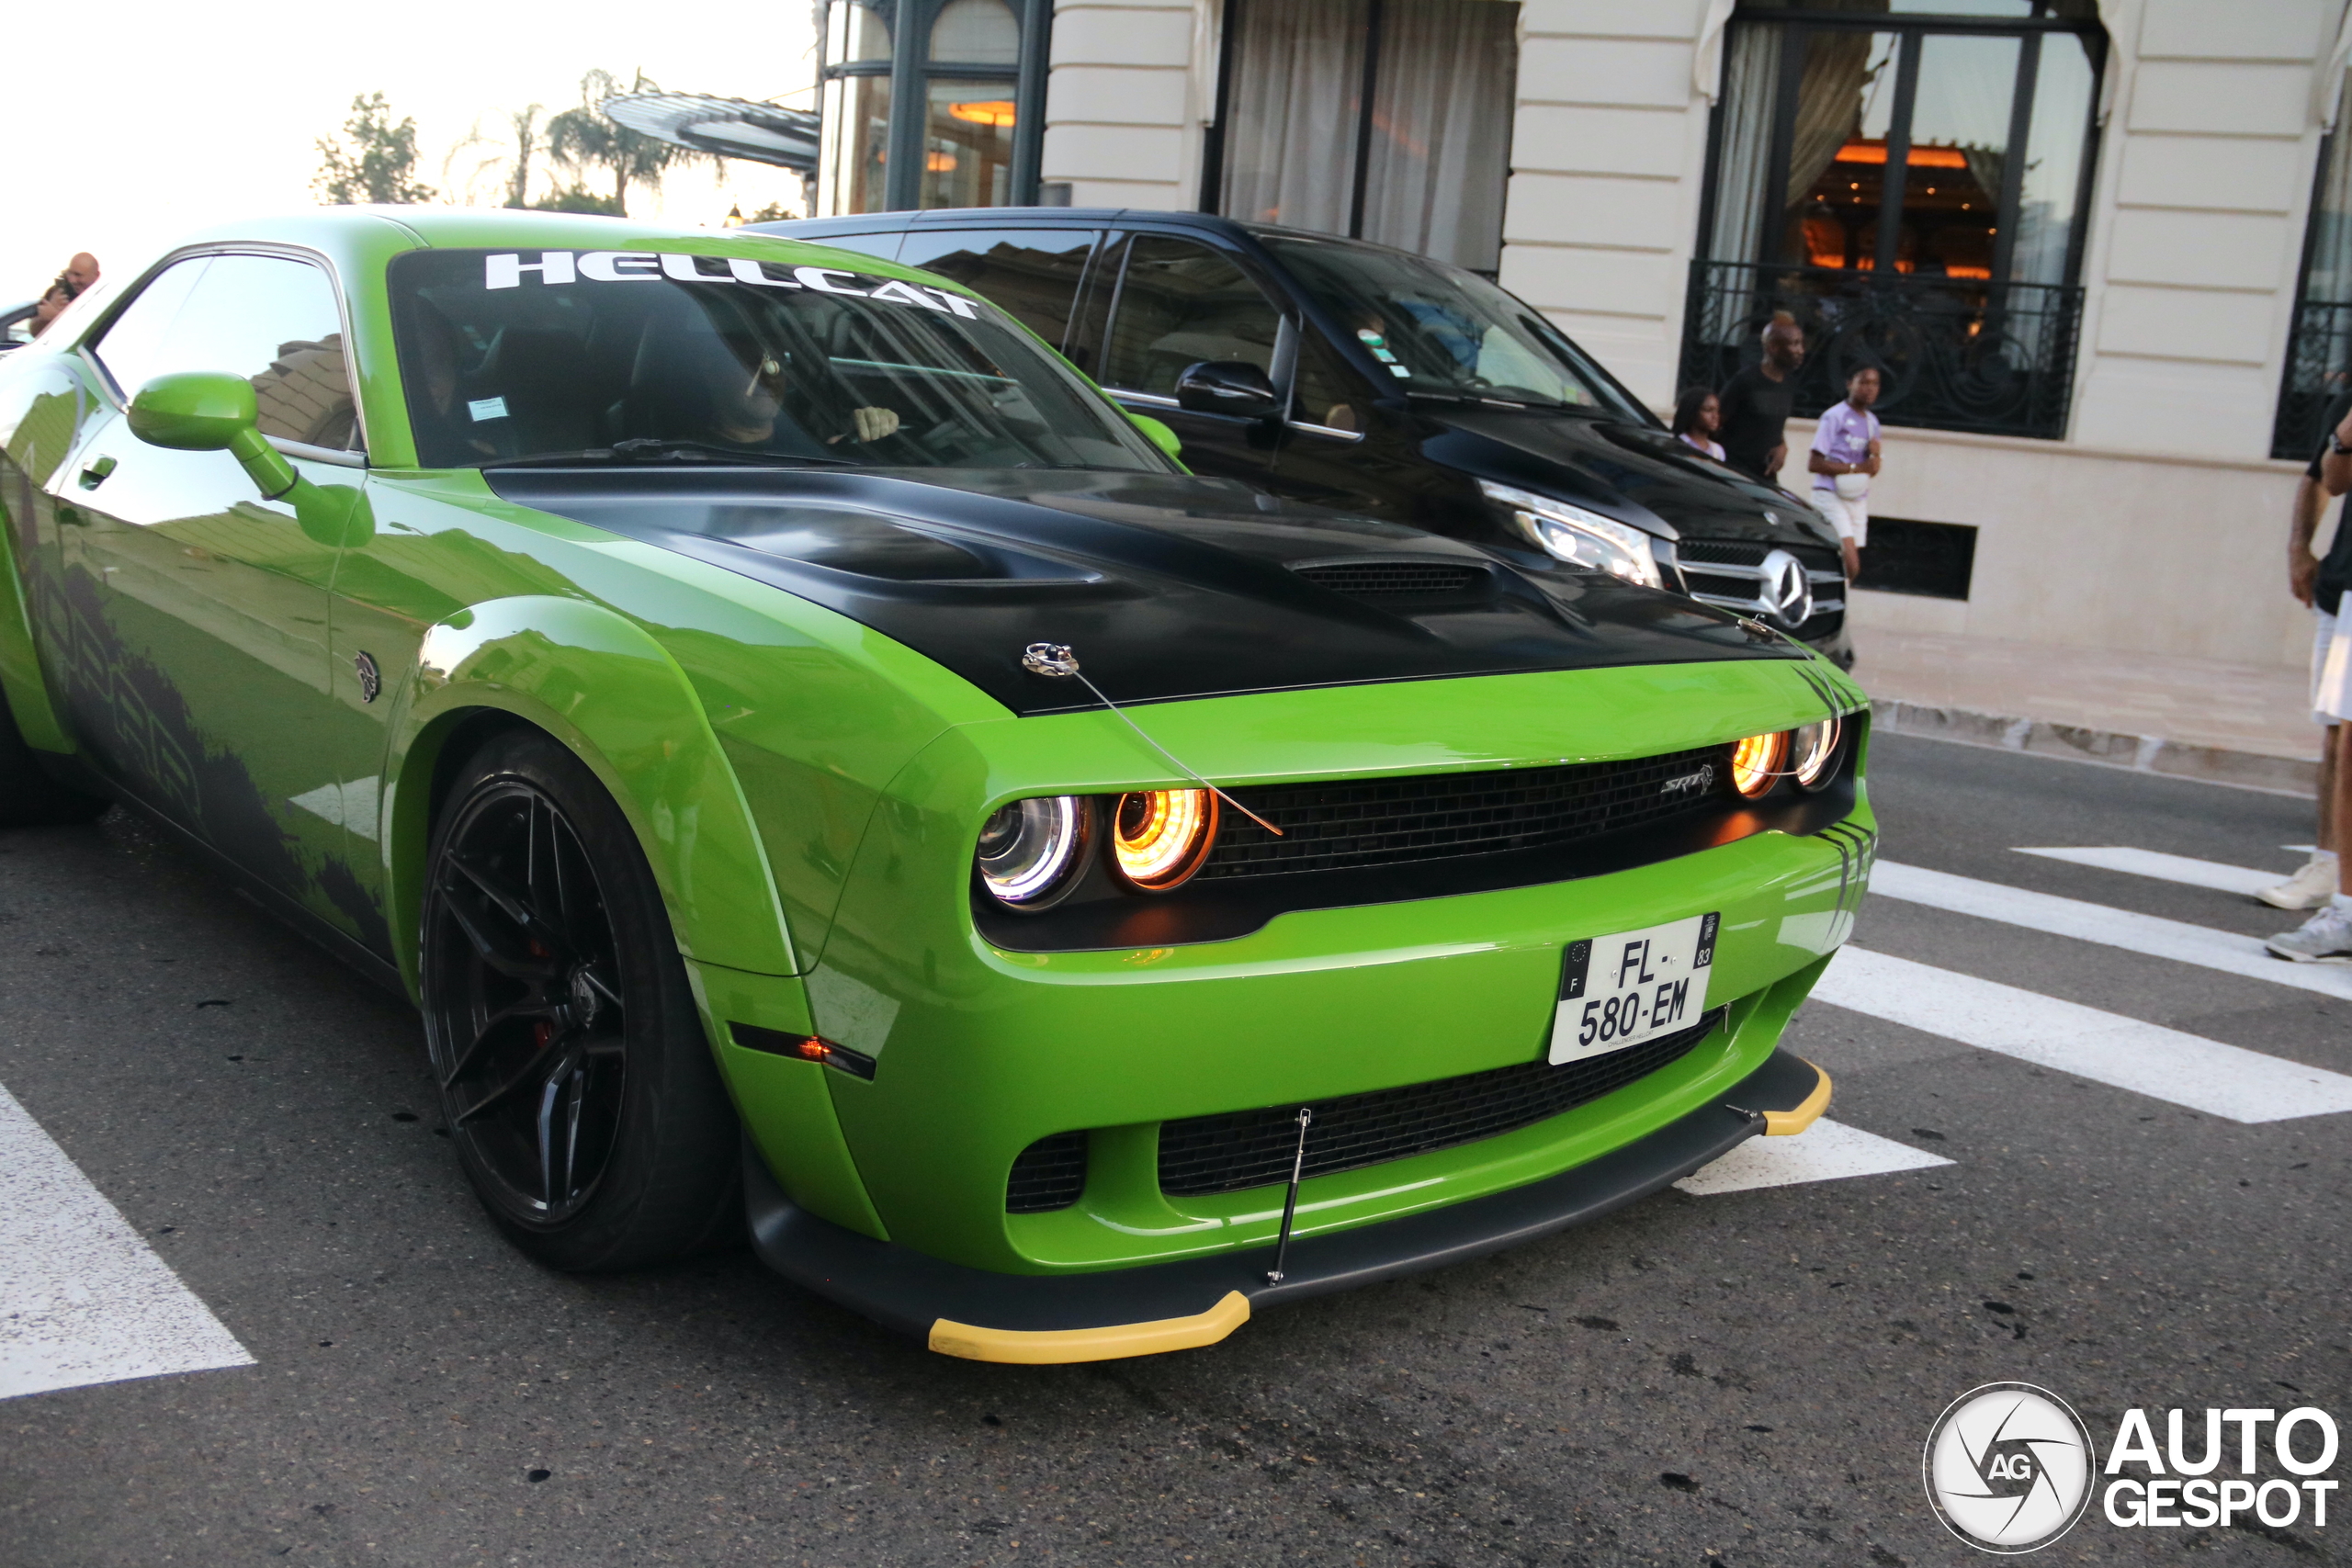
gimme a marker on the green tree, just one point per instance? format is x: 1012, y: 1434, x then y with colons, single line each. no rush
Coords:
x: 527, y: 137
x: 580, y: 199
x: 584, y: 138
x: 373, y: 161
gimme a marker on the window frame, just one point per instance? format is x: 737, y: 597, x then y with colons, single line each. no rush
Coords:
x: 1913, y: 28
x: 912, y: 70
x: 1112, y: 256
x: 89, y: 344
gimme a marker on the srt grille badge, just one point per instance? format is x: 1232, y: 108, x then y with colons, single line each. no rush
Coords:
x: 1699, y: 780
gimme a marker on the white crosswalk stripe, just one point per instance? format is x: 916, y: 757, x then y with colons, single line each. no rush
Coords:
x: 2106, y: 1047
x: 2169, y: 868
x: 83, y: 1300
x: 1826, y: 1151
x: 2149, y: 934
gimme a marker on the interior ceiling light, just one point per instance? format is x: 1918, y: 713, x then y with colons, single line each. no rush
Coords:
x: 993, y: 111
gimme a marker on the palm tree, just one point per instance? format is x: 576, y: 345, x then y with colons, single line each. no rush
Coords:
x: 584, y: 138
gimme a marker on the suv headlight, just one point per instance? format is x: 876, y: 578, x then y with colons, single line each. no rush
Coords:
x: 1577, y: 536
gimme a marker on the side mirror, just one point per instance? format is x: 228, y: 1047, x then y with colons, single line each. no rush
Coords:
x: 208, y: 411
x: 1231, y: 387
x: 1161, y: 436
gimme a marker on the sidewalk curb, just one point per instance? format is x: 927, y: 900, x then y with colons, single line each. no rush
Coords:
x: 2141, y: 753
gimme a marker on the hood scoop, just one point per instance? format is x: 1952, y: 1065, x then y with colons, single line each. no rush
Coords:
x: 1390, y: 580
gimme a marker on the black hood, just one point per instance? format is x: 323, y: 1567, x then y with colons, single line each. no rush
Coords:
x: 1165, y: 586
x: 1606, y: 461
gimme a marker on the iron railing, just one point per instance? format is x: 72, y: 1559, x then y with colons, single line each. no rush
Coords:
x: 1955, y: 353
x: 2319, y: 370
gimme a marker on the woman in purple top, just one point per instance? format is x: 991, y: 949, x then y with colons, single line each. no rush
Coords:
x: 1698, y: 415
x: 1844, y: 457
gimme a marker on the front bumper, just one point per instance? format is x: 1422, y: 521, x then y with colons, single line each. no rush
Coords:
x: 1106, y: 1315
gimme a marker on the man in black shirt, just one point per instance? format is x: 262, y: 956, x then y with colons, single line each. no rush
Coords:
x: 1757, y: 402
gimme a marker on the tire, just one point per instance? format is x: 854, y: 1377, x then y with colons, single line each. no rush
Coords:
x: 28, y: 796
x: 576, y: 1080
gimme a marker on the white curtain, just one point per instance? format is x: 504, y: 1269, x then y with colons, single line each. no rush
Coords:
x: 1291, y: 113
x: 1751, y: 91
x: 1441, y: 121
x: 1441, y: 128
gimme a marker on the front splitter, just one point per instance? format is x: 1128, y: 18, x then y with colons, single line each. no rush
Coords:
x: 1107, y: 1314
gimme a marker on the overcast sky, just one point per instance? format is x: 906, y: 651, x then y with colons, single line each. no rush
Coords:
x: 157, y: 120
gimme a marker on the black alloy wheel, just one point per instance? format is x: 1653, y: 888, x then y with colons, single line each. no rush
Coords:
x: 574, y: 1075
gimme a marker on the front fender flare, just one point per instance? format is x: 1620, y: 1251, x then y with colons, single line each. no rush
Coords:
x: 603, y: 687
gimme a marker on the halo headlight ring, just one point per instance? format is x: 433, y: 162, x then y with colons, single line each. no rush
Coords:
x: 1031, y: 852
x: 1159, y: 837
x: 1758, y: 761
x: 1814, y: 750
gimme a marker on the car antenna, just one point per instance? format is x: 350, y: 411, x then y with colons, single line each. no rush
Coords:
x: 1056, y: 659
x: 1290, y: 1200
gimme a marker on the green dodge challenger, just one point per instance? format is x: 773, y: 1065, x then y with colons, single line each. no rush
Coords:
x: 812, y: 759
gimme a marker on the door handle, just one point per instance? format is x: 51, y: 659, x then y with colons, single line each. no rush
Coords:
x: 95, y: 473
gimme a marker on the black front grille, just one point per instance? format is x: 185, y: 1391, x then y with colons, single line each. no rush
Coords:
x: 1049, y: 1174
x: 1751, y: 552
x: 1254, y: 1148
x: 1728, y: 587
x: 1375, y: 822
x: 1396, y: 578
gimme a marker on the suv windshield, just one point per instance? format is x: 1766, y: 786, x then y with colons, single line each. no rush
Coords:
x: 508, y: 358
x: 1440, y: 329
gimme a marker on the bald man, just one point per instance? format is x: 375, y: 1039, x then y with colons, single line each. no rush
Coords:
x: 82, y: 271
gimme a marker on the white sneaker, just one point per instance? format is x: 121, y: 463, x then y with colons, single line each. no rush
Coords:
x: 2325, y: 938
x: 2307, y: 889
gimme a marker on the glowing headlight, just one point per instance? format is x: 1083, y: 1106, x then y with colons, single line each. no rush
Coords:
x: 1756, y: 762
x: 1029, y: 847
x: 1159, y: 837
x: 1814, y: 748
x: 1577, y: 536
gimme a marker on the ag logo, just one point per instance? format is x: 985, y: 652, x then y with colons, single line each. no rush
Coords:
x: 2009, y: 1467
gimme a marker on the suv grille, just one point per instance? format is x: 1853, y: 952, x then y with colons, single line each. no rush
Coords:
x: 1049, y: 1174
x: 1376, y: 822
x: 1253, y: 1148
x: 1751, y: 552
x: 1396, y: 578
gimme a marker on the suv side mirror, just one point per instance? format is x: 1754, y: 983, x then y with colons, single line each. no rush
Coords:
x: 1231, y: 387
x: 210, y: 410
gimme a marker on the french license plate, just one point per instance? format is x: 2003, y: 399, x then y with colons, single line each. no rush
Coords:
x: 1617, y: 991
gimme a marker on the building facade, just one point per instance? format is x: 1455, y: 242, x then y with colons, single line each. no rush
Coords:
x: 2099, y: 246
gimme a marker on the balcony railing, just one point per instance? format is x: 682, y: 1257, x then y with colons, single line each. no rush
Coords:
x: 2318, y: 368
x: 1954, y: 353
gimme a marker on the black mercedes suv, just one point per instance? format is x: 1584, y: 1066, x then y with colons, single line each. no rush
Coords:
x: 1376, y: 381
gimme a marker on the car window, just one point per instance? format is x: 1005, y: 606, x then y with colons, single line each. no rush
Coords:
x: 271, y: 320
x: 1032, y: 274
x: 882, y: 245
x: 1441, y: 331
x: 1324, y: 391
x: 132, y: 344
x: 676, y: 357
x: 1179, y: 303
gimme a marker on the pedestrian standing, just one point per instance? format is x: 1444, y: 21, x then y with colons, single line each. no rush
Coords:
x: 2321, y: 585
x: 1698, y: 414
x: 1756, y: 403
x: 2326, y: 937
x: 1844, y: 460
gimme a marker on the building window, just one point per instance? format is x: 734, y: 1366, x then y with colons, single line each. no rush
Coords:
x: 2319, y: 349
x: 1911, y: 181
x: 932, y: 103
x: 1420, y: 92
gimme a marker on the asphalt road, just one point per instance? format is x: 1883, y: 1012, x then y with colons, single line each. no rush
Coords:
x: 1735, y: 1378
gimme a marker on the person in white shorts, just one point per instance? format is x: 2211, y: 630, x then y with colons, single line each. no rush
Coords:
x: 2319, y: 583
x: 1844, y: 458
x: 2324, y: 885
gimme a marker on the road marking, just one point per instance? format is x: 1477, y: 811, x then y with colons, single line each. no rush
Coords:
x: 1826, y: 1151
x: 83, y: 1300
x: 2169, y: 868
x: 2175, y: 940
x: 2146, y: 1058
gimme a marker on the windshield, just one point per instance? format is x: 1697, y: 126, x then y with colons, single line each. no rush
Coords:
x: 508, y: 358
x: 1440, y: 329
